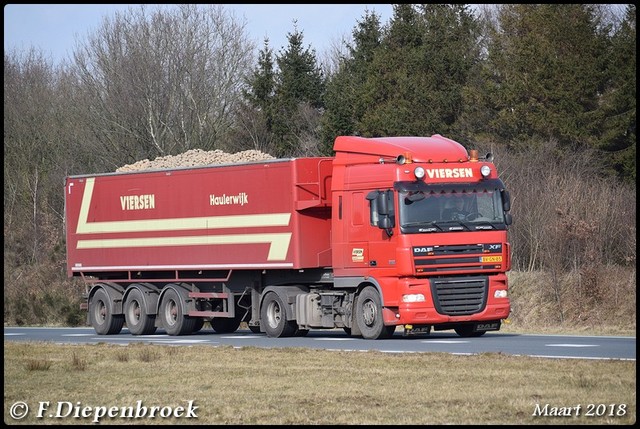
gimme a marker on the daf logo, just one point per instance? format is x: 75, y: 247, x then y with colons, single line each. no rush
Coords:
x: 487, y: 326
x: 420, y: 250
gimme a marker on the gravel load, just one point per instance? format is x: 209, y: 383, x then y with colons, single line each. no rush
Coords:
x: 197, y: 157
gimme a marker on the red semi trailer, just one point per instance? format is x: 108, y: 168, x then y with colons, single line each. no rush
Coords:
x: 392, y: 231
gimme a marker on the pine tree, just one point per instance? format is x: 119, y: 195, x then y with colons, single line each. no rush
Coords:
x: 619, y: 101
x: 416, y: 79
x: 261, y: 85
x: 345, y: 104
x: 547, y: 69
x: 298, y: 98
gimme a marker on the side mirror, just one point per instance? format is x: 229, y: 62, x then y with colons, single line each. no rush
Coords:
x: 382, y: 210
x: 508, y: 219
x: 415, y: 196
x: 506, y: 200
x: 383, y: 204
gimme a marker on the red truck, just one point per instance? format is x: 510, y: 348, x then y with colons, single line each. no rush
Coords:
x: 391, y: 232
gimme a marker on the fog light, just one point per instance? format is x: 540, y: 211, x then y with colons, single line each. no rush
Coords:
x: 500, y: 293
x: 414, y: 297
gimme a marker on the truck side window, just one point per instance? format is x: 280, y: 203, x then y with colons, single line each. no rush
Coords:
x: 373, y: 212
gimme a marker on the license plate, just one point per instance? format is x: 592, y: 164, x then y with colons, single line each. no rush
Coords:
x: 417, y: 330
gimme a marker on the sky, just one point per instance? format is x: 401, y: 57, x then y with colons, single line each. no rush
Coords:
x: 55, y: 28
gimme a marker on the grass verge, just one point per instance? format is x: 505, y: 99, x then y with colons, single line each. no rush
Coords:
x: 301, y: 386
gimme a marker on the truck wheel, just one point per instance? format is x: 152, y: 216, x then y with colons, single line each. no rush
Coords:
x: 369, y: 315
x: 173, y: 319
x: 135, y: 315
x: 101, y: 317
x: 224, y: 325
x: 273, y: 317
x: 467, y: 331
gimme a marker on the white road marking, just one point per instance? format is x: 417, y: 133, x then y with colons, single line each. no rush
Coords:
x: 572, y: 345
x: 165, y: 341
x: 334, y: 339
x: 242, y: 337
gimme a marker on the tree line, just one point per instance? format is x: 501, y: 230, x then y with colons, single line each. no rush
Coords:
x: 549, y: 89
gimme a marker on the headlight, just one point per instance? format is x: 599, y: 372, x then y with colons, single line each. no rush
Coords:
x: 485, y: 170
x: 414, y: 297
x: 500, y: 293
x: 419, y: 172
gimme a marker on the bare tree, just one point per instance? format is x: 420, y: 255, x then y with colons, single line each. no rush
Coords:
x: 163, y: 81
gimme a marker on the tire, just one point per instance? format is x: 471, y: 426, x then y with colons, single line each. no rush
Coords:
x: 225, y: 325
x: 369, y: 315
x: 273, y: 317
x: 102, y: 319
x: 466, y: 331
x: 135, y: 315
x: 172, y: 317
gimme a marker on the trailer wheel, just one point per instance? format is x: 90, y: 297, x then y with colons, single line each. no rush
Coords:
x: 225, y: 325
x: 173, y: 319
x: 135, y: 315
x: 101, y: 317
x: 273, y: 317
x: 369, y: 315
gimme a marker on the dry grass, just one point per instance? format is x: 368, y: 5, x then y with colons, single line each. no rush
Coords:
x: 300, y: 386
x: 542, y: 303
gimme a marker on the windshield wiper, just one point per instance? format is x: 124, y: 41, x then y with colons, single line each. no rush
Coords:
x: 485, y: 224
x: 423, y: 226
x: 452, y: 225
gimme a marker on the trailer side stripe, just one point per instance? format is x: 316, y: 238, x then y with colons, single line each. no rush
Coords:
x: 175, y: 224
x: 279, y: 242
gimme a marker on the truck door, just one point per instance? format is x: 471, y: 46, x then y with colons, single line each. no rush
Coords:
x: 357, y: 230
x: 381, y: 228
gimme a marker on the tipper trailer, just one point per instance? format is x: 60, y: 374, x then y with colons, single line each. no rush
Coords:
x: 365, y: 241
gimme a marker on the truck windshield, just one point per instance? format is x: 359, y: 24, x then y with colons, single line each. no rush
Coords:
x: 425, y: 209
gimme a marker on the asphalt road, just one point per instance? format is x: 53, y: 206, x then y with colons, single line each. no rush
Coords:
x: 543, y: 346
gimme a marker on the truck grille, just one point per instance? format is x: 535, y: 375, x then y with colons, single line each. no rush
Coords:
x: 460, y: 257
x: 460, y: 296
